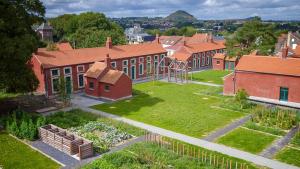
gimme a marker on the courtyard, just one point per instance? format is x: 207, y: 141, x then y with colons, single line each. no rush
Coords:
x: 190, y: 109
x: 210, y: 76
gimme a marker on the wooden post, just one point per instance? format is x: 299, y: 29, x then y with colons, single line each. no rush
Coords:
x: 210, y: 159
x: 217, y: 161
x: 236, y: 165
x: 230, y: 164
x: 177, y: 148
x: 183, y: 149
x: 222, y: 163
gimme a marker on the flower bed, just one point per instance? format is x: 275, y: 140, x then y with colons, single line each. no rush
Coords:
x: 102, y: 135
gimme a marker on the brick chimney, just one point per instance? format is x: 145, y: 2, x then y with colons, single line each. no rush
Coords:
x: 108, y: 43
x: 157, y: 38
x: 284, y: 51
x: 107, y: 61
x: 210, y: 38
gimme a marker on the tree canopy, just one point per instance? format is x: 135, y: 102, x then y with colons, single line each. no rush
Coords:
x: 186, y: 31
x: 253, y: 35
x: 86, y: 29
x: 18, y: 41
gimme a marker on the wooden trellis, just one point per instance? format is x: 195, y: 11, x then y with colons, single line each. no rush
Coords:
x: 202, y: 156
x: 176, y: 71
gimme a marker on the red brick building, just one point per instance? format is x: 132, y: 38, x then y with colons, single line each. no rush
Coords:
x: 137, y: 61
x: 199, y: 55
x: 222, y: 62
x: 102, y: 81
x: 267, y: 78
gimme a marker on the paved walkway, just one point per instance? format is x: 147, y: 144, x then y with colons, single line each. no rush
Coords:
x: 59, y: 156
x: 114, y: 149
x: 279, y: 144
x: 213, y: 136
x: 259, y: 160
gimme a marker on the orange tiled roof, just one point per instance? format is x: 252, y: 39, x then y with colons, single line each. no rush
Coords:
x: 58, y: 58
x: 98, y: 68
x: 269, y: 64
x: 219, y: 56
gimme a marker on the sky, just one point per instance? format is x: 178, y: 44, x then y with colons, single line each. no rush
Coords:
x: 201, y: 9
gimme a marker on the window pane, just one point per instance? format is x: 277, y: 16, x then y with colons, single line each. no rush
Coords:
x: 55, y: 83
x: 81, y: 81
x: 54, y: 72
x: 67, y: 71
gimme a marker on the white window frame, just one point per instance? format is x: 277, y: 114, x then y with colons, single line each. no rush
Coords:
x: 156, y: 58
x: 207, y: 60
x: 93, y: 86
x: 79, y: 67
x: 141, y: 71
x: 132, y: 61
x: 113, y: 63
x: 141, y: 59
x: 149, y: 58
x: 126, y: 67
x: 125, y: 61
x: 68, y: 73
x: 58, y: 70
x: 203, y: 60
x: 78, y: 80
x: 52, y: 84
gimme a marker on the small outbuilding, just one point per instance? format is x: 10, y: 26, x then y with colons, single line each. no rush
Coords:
x: 222, y: 62
x: 102, y: 81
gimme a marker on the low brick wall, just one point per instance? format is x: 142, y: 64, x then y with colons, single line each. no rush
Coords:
x: 66, y: 142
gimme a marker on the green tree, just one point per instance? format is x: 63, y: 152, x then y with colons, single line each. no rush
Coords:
x: 62, y: 91
x: 18, y: 41
x: 87, y: 30
x: 253, y: 35
x: 241, y: 97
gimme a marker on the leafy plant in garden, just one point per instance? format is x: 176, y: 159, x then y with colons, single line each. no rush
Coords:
x: 102, y: 135
x: 278, y: 118
x: 241, y: 97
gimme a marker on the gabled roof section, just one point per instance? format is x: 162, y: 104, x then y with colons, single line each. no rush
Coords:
x: 58, y: 58
x: 96, y: 70
x: 111, y: 77
x: 219, y: 56
x: 269, y: 64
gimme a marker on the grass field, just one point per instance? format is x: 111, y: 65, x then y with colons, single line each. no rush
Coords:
x: 210, y: 76
x: 189, y: 109
x: 150, y: 156
x: 16, y: 155
x: 247, y: 140
x: 289, y: 155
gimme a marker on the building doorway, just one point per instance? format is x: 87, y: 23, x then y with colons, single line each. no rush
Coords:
x: 133, y: 73
x: 284, y: 94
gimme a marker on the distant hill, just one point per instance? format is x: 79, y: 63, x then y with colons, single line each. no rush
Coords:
x: 180, y: 16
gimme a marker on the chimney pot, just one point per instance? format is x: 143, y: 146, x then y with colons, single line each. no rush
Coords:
x: 108, y: 43
x: 107, y: 61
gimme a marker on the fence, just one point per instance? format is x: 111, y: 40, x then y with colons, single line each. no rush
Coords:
x: 203, y: 156
x: 66, y: 141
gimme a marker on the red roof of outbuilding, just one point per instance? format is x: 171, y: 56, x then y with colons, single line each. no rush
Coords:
x: 269, y: 64
x: 58, y: 58
x: 219, y: 56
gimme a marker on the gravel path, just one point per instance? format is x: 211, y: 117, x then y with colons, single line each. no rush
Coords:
x: 270, y: 151
x: 213, y: 136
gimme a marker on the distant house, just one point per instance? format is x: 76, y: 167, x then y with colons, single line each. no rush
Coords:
x: 272, y: 79
x: 136, y: 35
x: 45, y: 31
x: 291, y: 40
x: 222, y: 62
x: 102, y: 81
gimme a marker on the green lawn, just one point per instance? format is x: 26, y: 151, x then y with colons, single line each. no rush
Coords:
x: 247, y: 140
x: 210, y: 76
x: 150, y: 156
x: 189, y: 109
x: 289, y: 155
x: 16, y: 155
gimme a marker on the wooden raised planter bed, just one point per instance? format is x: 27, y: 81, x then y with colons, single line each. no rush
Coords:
x: 66, y: 142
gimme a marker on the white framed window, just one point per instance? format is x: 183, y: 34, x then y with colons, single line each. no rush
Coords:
x: 55, y: 72
x: 67, y: 71
x: 125, y: 62
x: 80, y: 68
x: 91, y: 85
x: 107, y: 88
x: 55, y: 85
x: 125, y: 70
x: 207, y: 60
x: 80, y: 80
x: 141, y: 69
x: 148, y: 58
x: 155, y: 57
x: 162, y: 56
x: 141, y: 60
x: 113, y: 64
x: 203, y: 60
x: 132, y: 61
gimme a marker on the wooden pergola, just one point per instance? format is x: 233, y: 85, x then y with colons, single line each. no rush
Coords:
x: 176, y: 70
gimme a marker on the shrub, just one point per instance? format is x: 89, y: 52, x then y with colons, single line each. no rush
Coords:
x: 284, y: 119
x: 241, y: 97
